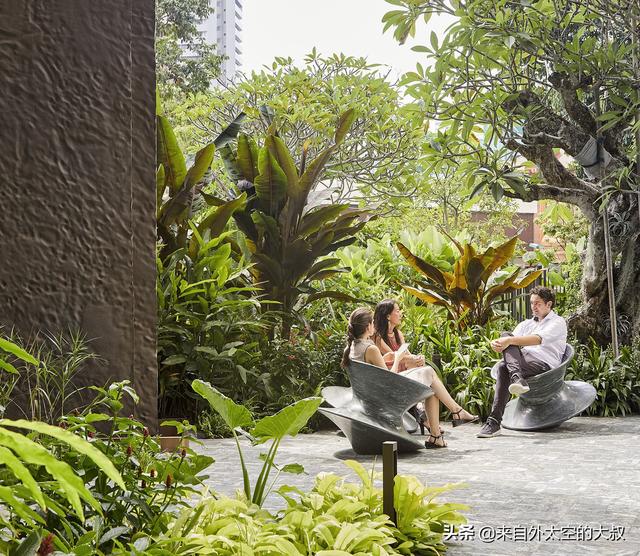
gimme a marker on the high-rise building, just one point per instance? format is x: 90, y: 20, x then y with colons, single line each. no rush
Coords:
x: 224, y: 28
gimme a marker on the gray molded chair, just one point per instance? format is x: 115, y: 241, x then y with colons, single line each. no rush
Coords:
x: 551, y: 400
x: 373, y: 409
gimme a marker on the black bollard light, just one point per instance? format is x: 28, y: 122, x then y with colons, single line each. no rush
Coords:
x: 389, y: 472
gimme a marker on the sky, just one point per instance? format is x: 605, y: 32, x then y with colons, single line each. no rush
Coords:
x: 292, y: 28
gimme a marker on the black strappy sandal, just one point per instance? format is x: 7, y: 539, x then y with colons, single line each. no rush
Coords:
x: 433, y: 445
x: 421, y: 418
x: 457, y: 422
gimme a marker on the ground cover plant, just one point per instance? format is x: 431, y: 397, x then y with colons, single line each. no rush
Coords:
x: 334, y: 518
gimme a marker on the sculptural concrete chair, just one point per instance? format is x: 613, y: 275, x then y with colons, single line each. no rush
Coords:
x: 550, y: 401
x: 373, y: 409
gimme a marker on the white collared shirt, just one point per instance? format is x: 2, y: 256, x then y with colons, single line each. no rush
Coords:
x: 552, y: 330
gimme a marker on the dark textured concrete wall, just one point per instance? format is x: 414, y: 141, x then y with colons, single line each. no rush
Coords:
x: 77, y: 196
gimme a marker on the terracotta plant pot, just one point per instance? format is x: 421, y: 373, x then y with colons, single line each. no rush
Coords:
x: 173, y: 443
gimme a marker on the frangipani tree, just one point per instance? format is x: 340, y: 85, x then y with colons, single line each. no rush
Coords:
x: 525, y: 80
x: 379, y: 155
x: 470, y: 291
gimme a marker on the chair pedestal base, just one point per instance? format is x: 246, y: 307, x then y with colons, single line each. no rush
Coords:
x: 570, y: 400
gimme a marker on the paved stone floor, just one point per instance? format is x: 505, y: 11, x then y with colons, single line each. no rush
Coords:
x: 583, y: 476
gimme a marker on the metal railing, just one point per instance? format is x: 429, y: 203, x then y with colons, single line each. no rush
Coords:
x: 517, y: 303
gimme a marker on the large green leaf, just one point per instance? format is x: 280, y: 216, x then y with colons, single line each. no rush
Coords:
x: 170, y: 155
x: 312, y: 175
x: 287, y: 422
x: 344, y: 125
x: 16, y: 350
x: 201, y: 164
x: 230, y: 162
x: 230, y: 132
x: 34, y: 454
x: 501, y: 256
x: 22, y: 474
x: 423, y: 266
x: 271, y: 183
x: 233, y: 414
x: 281, y: 153
x: 75, y: 442
x: 216, y: 222
x: 528, y: 279
x: 18, y: 507
x: 247, y: 158
x: 317, y: 218
x: 428, y: 297
x: 324, y: 264
x: 473, y: 275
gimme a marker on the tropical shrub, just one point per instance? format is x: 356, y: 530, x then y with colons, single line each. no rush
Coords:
x: 470, y: 291
x: 334, y: 518
x: 298, y: 369
x: 616, y: 380
x: 288, y: 223
x: 287, y: 422
x: 208, y: 326
x: 119, y: 483
x: 179, y: 190
x: 35, y: 479
x: 464, y: 360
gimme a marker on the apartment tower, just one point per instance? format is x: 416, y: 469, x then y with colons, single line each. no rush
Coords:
x: 224, y: 28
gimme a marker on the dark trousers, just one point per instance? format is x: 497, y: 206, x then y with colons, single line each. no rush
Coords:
x: 514, y: 361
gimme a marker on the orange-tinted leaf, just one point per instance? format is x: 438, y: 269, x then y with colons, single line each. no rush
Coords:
x: 423, y: 266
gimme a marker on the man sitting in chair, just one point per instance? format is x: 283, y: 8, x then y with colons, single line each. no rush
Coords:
x: 535, y: 346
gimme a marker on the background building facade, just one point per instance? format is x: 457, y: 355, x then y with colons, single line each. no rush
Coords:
x: 224, y: 29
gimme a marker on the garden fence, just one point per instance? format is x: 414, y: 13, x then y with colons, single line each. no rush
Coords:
x: 517, y: 303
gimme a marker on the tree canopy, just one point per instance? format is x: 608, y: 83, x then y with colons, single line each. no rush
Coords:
x: 185, y: 62
x: 379, y: 157
x: 512, y: 85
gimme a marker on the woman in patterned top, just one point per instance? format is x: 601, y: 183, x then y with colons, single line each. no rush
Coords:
x: 388, y: 338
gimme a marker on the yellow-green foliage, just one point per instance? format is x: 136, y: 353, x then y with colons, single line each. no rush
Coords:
x: 335, y: 518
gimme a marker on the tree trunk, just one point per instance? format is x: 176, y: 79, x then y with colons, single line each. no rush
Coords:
x: 593, y: 317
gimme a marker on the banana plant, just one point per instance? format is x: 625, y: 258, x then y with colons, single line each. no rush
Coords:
x: 475, y: 284
x: 289, y: 225
x: 178, y: 188
x: 287, y: 422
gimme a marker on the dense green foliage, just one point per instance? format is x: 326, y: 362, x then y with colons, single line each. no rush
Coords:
x: 514, y: 84
x: 616, y: 380
x: 209, y: 325
x: 176, y: 33
x: 377, y: 158
x: 288, y: 220
x: 334, y: 518
x: 473, y: 286
x: 179, y: 190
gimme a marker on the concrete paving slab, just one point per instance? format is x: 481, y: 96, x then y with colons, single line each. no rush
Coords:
x: 576, y: 483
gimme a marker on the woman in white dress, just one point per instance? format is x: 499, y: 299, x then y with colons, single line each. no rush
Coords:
x: 360, y: 347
